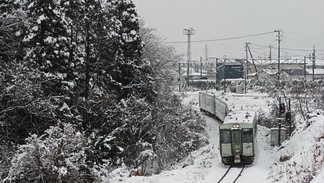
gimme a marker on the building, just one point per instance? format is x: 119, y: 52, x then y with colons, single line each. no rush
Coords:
x: 230, y: 71
x: 294, y: 74
x: 267, y: 74
x: 289, y: 74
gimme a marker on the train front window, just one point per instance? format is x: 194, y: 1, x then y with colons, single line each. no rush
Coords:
x: 236, y: 136
x: 247, y: 135
x: 225, y: 136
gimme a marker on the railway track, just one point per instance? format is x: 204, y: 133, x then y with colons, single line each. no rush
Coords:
x: 227, y: 178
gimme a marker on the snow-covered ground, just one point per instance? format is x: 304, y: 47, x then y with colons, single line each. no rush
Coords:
x: 304, y: 152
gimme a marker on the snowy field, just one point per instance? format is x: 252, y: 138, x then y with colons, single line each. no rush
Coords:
x: 304, y: 152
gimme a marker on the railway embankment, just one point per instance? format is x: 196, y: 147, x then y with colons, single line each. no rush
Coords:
x: 301, y: 158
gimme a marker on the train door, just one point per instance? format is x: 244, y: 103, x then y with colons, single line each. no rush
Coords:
x: 237, y: 145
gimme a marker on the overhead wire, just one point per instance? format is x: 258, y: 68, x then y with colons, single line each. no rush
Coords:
x: 291, y: 49
x: 305, y: 34
x: 246, y: 36
x: 221, y: 39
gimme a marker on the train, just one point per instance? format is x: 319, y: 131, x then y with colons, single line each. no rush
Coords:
x: 213, y: 106
x: 237, y: 133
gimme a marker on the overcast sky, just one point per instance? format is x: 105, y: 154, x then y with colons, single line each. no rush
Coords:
x: 301, y: 23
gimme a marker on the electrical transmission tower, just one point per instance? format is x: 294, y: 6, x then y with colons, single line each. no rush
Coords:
x: 188, y: 32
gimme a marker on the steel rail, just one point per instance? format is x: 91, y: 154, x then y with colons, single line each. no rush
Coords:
x: 238, y: 176
x: 225, y: 174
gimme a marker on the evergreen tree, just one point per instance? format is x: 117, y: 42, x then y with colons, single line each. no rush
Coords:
x: 72, y: 14
x: 11, y: 30
x: 46, y: 42
x: 129, y: 70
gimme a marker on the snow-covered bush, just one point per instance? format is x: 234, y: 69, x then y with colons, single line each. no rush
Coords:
x: 136, y: 131
x: 7, y: 151
x: 180, y: 130
x: 102, y: 154
x: 103, y: 149
x: 153, y: 135
x: 56, y: 156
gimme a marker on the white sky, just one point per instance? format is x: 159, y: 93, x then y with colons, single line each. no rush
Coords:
x: 302, y: 23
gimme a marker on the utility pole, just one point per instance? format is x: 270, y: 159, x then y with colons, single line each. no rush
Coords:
x: 289, y: 109
x: 305, y: 68
x: 179, y: 77
x: 313, y: 58
x: 225, y: 84
x: 270, y: 55
x: 247, y: 65
x: 279, y: 123
x: 248, y: 48
x: 206, y: 53
x: 279, y: 40
x: 188, y: 32
x: 200, y: 67
x: 216, y: 74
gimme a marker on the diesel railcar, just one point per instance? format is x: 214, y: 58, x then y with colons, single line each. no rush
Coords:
x: 237, y: 137
x: 213, y: 106
x: 238, y: 131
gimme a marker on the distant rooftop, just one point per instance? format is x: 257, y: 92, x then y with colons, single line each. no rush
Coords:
x: 295, y: 71
x: 316, y: 71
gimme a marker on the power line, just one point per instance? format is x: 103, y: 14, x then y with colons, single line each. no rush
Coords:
x: 299, y: 49
x: 305, y: 34
x: 291, y: 49
x: 222, y: 39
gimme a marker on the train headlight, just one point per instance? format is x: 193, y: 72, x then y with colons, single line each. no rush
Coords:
x: 236, y: 126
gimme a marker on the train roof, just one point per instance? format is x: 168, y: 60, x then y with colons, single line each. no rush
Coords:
x: 240, y: 117
x: 238, y: 102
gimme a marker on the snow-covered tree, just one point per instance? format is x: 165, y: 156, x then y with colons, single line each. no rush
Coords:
x: 130, y: 72
x: 46, y: 39
x: 46, y: 42
x: 136, y: 130
x: 11, y: 31
x: 57, y: 156
x: 161, y: 57
x: 85, y: 65
x: 24, y: 106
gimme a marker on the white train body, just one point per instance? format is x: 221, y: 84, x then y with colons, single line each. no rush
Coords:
x: 213, y: 106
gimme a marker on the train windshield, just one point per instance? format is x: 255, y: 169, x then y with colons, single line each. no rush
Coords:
x: 225, y: 136
x: 236, y: 136
x: 247, y: 135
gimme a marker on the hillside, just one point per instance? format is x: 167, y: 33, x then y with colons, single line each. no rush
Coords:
x: 299, y: 159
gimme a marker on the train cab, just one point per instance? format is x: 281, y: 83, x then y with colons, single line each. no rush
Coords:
x: 237, y: 138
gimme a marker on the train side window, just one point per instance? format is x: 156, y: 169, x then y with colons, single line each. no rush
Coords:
x: 225, y: 136
x: 247, y: 135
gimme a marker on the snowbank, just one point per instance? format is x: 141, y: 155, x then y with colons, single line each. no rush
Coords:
x: 301, y: 159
